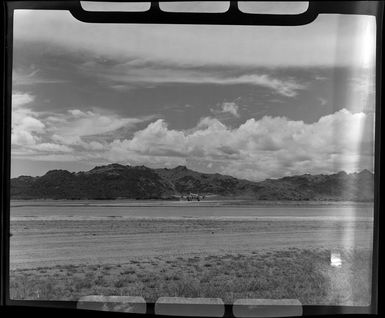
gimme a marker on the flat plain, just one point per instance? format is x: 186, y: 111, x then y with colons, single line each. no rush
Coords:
x: 64, y: 251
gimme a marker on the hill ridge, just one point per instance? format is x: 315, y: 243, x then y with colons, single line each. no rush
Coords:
x: 115, y: 181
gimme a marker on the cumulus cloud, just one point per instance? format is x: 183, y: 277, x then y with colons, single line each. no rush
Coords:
x: 20, y: 99
x: 226, y: 108
x: 258, y: 149
x: 26, y: 127
x: 72, y: 127
x: 231, y: 108
x: 38, y: 133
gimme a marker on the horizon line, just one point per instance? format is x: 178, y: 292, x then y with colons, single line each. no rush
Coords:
x: 184, y: 166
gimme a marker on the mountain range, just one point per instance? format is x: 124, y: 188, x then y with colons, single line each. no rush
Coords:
x: 115, y: 181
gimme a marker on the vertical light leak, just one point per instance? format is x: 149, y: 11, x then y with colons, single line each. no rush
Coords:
x: 367, y: 48
x: 361, y: 93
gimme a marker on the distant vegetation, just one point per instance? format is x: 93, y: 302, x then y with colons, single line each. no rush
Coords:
x: 301, y: 274
x: 117, y: 181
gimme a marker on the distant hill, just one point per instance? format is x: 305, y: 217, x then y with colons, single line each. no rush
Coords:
x: 116, y: 181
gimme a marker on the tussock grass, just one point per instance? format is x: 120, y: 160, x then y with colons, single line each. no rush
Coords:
x: 304, y: 274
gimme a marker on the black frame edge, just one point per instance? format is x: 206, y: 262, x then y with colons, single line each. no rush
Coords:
x: 6, y: 51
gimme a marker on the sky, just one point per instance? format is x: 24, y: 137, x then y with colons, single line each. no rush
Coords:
x: 253, y: 102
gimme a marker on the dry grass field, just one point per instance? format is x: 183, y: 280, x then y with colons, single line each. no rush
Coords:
x: 303, y: 274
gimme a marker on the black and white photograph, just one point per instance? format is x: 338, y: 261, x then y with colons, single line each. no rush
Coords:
x: 227, y: 162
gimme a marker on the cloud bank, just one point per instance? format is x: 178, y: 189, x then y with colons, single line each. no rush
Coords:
x: 257, y: 149
x: 331, y: 40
